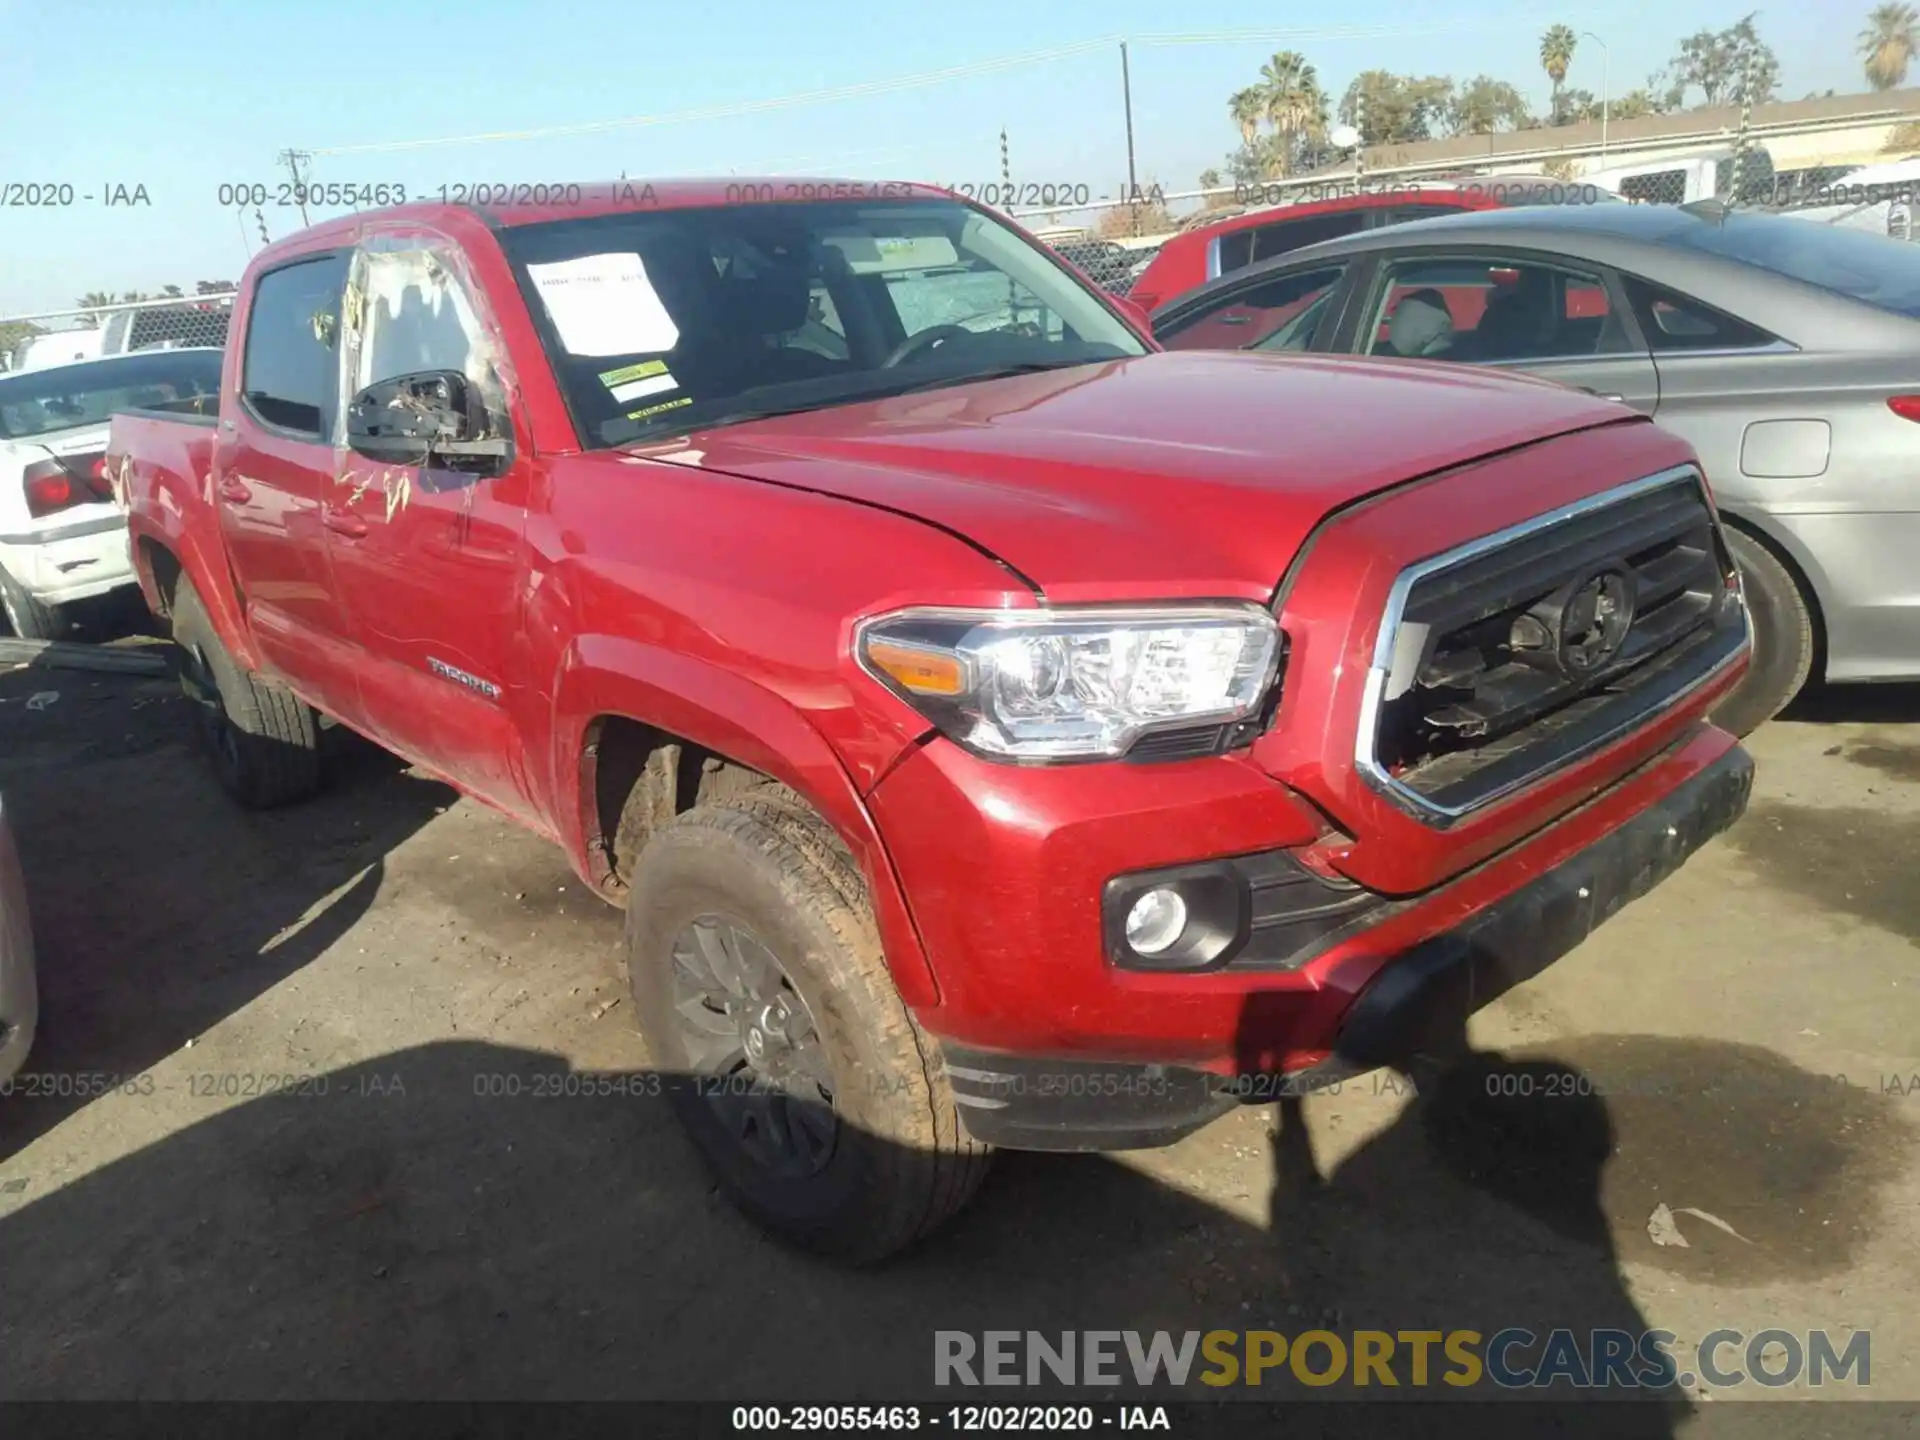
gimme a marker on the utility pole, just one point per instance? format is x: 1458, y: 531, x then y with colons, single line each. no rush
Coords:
x: 1360, y: 145
x: 293, y: 159
x: 264, y: 238
x: 1126, y: 100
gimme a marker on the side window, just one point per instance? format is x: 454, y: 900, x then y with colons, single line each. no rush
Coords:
x: 1272, y: 240
x: 1486, y: 310
x: 1236, y: 250
x: 1279, y: 314
x: 1671, y: 321
x: 290, y: 369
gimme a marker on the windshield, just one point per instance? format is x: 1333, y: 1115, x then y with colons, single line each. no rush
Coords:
x: 671, y: 320
x: 1855, y: 263
x: 45, y: 402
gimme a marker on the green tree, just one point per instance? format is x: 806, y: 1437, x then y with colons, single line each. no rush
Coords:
x: 1484, y: 106
x: 1720, y: 66
x: 1293, y: 104
x: 171, y: 292
x: 1556, y: 54
x: 1389, y: 109
x: 1888, y: 43
x: 89, y: 302
x: 1248, y: 108
x: 1578, y: 106
x: 1637, y: 104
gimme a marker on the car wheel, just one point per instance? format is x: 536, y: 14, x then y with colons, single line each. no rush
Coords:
x: 263, y: 740
x: 1783, y: 638
x: 760, y: 987
x: 29, y: 618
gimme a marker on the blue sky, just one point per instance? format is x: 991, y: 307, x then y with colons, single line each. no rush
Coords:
x: 183, y: 97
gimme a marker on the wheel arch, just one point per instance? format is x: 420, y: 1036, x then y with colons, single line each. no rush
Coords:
x: 622, y: 703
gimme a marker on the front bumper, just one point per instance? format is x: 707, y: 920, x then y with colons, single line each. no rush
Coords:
x: 19, y: 991
x: 1416, y: 1003
x: 70, y: 559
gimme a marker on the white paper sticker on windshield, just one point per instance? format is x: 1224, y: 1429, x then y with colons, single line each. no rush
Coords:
x: 605, y: 305
x: 652, y: 385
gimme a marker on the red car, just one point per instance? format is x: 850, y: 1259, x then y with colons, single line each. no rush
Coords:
x: 1207, y: 252
x: 998, y: 731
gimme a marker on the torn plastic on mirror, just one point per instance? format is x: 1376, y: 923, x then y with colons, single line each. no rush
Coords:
x: 412, y: 304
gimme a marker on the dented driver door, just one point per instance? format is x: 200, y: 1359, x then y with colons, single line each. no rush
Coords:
x: 428, y: 557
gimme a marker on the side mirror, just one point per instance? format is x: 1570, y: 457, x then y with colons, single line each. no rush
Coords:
x: 435, y: 413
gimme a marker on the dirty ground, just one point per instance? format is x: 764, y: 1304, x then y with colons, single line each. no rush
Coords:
x: 1739, y: 1046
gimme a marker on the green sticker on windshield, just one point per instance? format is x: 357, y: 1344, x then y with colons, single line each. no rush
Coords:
x: 656, y: 409
x: 633, y: 372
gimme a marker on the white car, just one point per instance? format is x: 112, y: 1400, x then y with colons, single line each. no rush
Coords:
x: 62, y: 536
x: 19, y: 992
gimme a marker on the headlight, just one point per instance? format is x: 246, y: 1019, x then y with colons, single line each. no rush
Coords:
x: 1073, y: 684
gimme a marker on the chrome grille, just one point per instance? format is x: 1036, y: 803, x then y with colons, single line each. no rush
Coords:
x: 1511, y: 656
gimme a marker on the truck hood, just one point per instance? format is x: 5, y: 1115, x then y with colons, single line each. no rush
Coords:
x: 1196, y: 473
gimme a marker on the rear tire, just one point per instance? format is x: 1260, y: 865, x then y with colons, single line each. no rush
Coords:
x: 263, y: 740
x: 1783, y: 638
x: 758, y: 879
x: 29, y: 618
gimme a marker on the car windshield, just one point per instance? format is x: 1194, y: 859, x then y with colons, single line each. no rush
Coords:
x: 68, y: 397
x: 1856, y: 263
x: 672, y: 320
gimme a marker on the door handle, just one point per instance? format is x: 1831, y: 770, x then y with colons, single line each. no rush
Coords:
x: 233, y: 490
x: 341, y: 523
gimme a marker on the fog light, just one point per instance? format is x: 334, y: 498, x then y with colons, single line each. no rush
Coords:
x: 1156, y: 920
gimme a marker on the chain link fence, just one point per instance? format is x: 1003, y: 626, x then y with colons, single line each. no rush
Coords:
x: 62, y: 337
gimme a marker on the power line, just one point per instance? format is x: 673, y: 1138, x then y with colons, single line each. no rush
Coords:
x: 938, y: 77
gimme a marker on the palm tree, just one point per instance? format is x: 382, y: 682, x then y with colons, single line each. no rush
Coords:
x: 1293, y: 102
x: 1247, y: 107
x: 1556, y: 54
x: 1888, y: 44
x: 89, y: 301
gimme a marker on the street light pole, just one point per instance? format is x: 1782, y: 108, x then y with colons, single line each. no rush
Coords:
x: 1126, y: 100
x: 1606, y: 85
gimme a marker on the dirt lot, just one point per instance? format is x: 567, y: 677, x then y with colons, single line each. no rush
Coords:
x: 1754, y: 1025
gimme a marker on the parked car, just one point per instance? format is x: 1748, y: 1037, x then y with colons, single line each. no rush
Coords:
x: 1782, y: 351
x: 1209, y: 250
x: 19, y: 989
x: 1005, y: 737
x: 62, y: 536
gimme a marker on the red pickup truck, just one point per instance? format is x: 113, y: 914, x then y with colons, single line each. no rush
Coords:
x: 999, y: 732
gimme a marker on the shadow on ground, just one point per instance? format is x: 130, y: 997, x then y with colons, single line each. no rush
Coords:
x: 157, y: 902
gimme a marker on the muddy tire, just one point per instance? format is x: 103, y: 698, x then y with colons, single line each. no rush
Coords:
x: 263, y: 740
x: 835, y: 1129
x: 1783, y: 638
x: 27, y: 617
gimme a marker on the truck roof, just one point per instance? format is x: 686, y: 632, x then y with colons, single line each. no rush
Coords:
x: 538, y: 204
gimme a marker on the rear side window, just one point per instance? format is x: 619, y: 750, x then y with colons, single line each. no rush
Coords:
x: 1671, y: 321
x: 1263, y: 242
x: 293, y: 329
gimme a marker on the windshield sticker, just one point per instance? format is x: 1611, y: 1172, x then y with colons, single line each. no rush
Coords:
x: 641, y: 371
x: 605, y: 305
x: 656, y: 409
x: 637, y: 389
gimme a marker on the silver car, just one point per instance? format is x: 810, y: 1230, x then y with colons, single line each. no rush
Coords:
x: 1788, y: 353
x: 19, y: 994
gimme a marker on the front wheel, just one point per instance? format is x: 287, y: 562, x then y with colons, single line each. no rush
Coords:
x: 760, y: 987
x: 1783, y: 638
